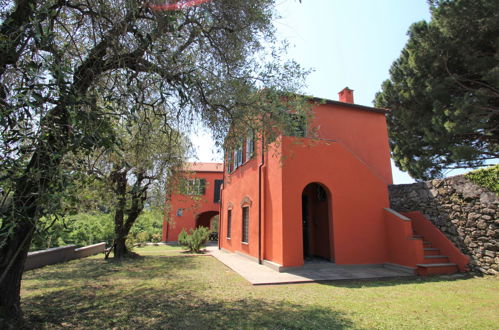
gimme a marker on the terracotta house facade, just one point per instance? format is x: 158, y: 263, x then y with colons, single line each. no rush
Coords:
x: 194, y: 200
x: 322, y: 197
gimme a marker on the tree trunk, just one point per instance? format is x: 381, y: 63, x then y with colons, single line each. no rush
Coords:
x: 13, y: 256
x: 121, y: 226
x: 19, y: 221
x: 119, y: 178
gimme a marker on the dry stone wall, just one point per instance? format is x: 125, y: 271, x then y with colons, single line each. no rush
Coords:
x: 465, y: 212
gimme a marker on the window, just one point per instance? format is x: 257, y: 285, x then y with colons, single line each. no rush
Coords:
x: 180, y: 212
x: 297, y: 125
x: 229, y: 163
x: 218, y: 185
x: 250, y: 146
x: 193, y: 187
x: 229, y: 222
x: 238, y: 157
x: 245, y: 224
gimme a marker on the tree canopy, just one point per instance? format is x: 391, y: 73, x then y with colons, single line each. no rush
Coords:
x: 69, y: 69
x: 444, y: 90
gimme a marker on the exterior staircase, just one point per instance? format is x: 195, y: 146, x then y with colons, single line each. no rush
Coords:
x: 434, y: 262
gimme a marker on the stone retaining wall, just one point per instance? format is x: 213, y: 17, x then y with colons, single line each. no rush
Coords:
x: 466, y: 213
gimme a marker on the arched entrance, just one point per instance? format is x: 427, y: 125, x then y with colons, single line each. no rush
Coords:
x: 205, y: 219
x: 316, y: 222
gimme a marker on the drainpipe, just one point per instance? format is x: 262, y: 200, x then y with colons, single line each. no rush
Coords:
x: 221, y: 205
x: 260, y: 201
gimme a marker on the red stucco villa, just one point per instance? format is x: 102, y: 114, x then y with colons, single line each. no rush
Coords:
x: 195, y: 199
x: 324, y: 197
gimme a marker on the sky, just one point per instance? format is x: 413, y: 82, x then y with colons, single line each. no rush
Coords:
x: 346, y: 43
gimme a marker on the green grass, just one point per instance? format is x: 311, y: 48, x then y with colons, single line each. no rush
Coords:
x: 157, y: 249
x: 198, y: 292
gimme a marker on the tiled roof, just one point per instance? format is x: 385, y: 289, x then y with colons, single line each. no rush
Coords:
x: 204, y: 167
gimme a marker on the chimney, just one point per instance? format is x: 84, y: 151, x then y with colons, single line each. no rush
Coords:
x: 346, y: 95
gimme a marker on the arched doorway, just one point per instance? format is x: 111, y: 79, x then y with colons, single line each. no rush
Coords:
x: 205, y: 219
x: 316, y: 222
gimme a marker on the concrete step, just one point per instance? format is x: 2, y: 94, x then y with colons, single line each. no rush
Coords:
x: 431, y: 251
x: 436, y: 259
x: 426, y: 244
x: 433, y: 269
x: 417, y: 236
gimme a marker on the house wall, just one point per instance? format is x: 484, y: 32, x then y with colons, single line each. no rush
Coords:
x: 358, y: 197
x: 351, y: 159
x: 363, y: 132
x: 241, y: 189
x: 192, y: 206
x: 274, y: 229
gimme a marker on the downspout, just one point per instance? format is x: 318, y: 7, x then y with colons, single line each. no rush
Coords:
x: 220, y: 209
x: 260, y: 201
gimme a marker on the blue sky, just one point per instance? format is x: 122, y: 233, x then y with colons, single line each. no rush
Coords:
x: 347, y: 43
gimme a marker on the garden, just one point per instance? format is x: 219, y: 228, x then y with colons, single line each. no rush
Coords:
x: 166, y: 288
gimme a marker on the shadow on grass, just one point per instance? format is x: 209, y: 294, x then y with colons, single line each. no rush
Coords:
x: 93, y: 270
x: 156, y: 293
x: 370, y: 283
x: 180, y: 309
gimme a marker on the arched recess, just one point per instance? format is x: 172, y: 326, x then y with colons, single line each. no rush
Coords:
x: 204, y: 219
x: 316, y: 222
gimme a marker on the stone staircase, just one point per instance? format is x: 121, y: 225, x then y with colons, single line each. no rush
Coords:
x: 434, y: 262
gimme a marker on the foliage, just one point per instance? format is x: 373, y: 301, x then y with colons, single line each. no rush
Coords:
x: 195, y: 240
x: 89, y: 228
x: 444, y: 90
x: 71, y: 70
x: 486, y: 177
x: 198, y: 292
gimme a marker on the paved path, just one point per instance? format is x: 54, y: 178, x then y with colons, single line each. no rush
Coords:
x: 258, y: 274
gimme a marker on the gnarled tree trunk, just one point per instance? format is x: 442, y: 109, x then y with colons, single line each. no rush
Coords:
x: 122, y: 226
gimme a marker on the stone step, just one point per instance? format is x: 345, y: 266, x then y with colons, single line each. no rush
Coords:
x: 433, y: 269
x: 436, y: 259
x: 431, y: 251
x: 426, y: 244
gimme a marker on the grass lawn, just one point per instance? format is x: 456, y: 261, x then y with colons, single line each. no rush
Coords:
x: 173, y: 290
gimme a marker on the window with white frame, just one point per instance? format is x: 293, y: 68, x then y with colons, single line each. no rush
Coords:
x: 250, y: 146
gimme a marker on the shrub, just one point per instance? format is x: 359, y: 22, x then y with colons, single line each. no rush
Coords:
x: 486, y: 177
x: 197, y: 238
x: 155, y: 238
x: 142, y: 237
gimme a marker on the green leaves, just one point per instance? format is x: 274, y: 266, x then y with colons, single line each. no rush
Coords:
x: 442, y: 91
x: 486, y: 177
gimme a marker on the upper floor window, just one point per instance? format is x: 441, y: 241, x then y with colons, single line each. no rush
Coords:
x: 297, y: 125
x: 217, y: 189
x: 193, y: 187
x: 238, y: 156
x: 250, y: 146
x: 230, y: 164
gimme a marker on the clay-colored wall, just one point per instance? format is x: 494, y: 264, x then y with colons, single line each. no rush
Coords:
x: 363, y: 132
x: 241, y: 186
x: 273, y: 219
x: 403, y: 249
x: 192, y: 206
x: 358, y: 199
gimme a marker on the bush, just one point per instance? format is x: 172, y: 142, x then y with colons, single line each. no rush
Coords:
x: 486, y: 177
x: 197, y: 238
x: 143, y: 237
x: 155, y: 238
